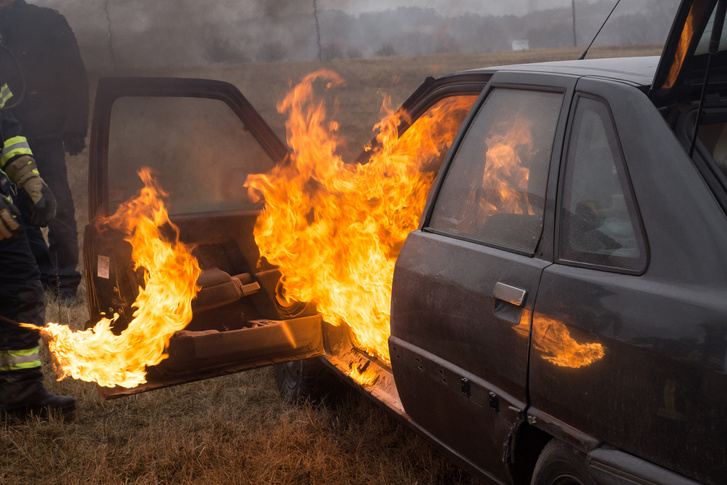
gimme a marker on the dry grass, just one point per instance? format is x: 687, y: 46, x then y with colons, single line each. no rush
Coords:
x: 230, y: 430
x: 236, y: 429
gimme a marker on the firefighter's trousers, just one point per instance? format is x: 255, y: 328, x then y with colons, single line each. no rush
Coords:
x: 22, y: 299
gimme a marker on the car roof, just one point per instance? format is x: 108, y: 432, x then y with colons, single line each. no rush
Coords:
x: 638, y: 71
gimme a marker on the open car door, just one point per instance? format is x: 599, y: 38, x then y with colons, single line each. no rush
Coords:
x: 201, y: 138
x: 690, y: 83
x: 698, y: 33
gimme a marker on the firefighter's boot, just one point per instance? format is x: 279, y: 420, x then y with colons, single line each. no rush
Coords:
x: 22, y: 393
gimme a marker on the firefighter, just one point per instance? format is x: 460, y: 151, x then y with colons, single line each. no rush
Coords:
x: 54, y: 117
x: 22, y: 298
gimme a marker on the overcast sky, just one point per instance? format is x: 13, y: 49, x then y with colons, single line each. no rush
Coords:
x: 145, y: 32
x: 449, y: 7
x: 445, y: 7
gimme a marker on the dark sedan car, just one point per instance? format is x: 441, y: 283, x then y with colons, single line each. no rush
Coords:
x: 560, y: 314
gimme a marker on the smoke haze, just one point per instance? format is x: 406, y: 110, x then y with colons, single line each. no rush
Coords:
x: 156, y: 33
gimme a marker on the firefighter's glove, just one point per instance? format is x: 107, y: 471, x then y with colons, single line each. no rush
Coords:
x: 24, y: 173
x: 44, y: 210
x: 9, y: 218
x: 74, y: 143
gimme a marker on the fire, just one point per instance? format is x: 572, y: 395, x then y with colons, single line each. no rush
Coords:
x: 553, y: 339
x: 162, y: 307
x: 366, y: 377
x: 505, y: 172
x: 335, y: 229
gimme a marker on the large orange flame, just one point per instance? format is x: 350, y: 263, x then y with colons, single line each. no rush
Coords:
x: 162, y: 307
x: 505, y: 177
x: 335, y: 229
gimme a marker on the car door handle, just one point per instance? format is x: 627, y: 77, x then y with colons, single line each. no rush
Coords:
x: 509, y: 294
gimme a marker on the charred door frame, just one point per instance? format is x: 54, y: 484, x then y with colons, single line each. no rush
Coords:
x: 195, y: 355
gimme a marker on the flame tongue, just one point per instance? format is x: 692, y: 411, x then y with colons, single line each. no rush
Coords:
x: 162, y: 307
x: 334, y: 229
x: 505, y: 173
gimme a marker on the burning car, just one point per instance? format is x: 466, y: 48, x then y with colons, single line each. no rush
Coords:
x: 558, y: 311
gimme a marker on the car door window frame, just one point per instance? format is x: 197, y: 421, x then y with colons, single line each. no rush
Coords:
x: 527, y: 82
x: 431, y: 92
x: 110, y: 89
x: 626, y: 185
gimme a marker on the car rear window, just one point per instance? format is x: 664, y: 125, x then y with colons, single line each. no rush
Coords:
x: 598, y: 224
x: 710, y: 148
x: 714, y: 138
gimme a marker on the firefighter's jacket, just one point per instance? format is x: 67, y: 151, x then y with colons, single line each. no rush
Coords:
x: 56, y: 95
x: 18, y: 349
x: 14, y: 144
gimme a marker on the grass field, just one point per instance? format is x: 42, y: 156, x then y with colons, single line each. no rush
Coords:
x: 236, y: 429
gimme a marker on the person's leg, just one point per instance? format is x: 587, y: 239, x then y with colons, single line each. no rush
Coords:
x: 22, y: 299
x: 62, y: 231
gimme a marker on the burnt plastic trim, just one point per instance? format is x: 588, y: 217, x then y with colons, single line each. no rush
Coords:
x: 196, y: 356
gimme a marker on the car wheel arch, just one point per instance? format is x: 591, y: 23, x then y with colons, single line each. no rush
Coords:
x: 560, y: 463
x: 522, y: 451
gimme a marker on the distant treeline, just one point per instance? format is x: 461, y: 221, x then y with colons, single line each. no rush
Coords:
x: 137, y: 33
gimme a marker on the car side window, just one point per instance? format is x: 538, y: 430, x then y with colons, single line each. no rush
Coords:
x: 494, y: 190
x: 199, y: 149
x: 598, y: 223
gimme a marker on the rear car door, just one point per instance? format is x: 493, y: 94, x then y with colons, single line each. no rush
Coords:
x: 465, y: 282
x: 637, y: 295
x: 201, y: 139
x: 628, y: 343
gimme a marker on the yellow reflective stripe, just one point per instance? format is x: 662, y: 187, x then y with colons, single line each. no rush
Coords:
x: 27, y: 365
x: 19, y: 359
x: 5, y: 95
x: 24, y: 352
x: 15, y: 146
